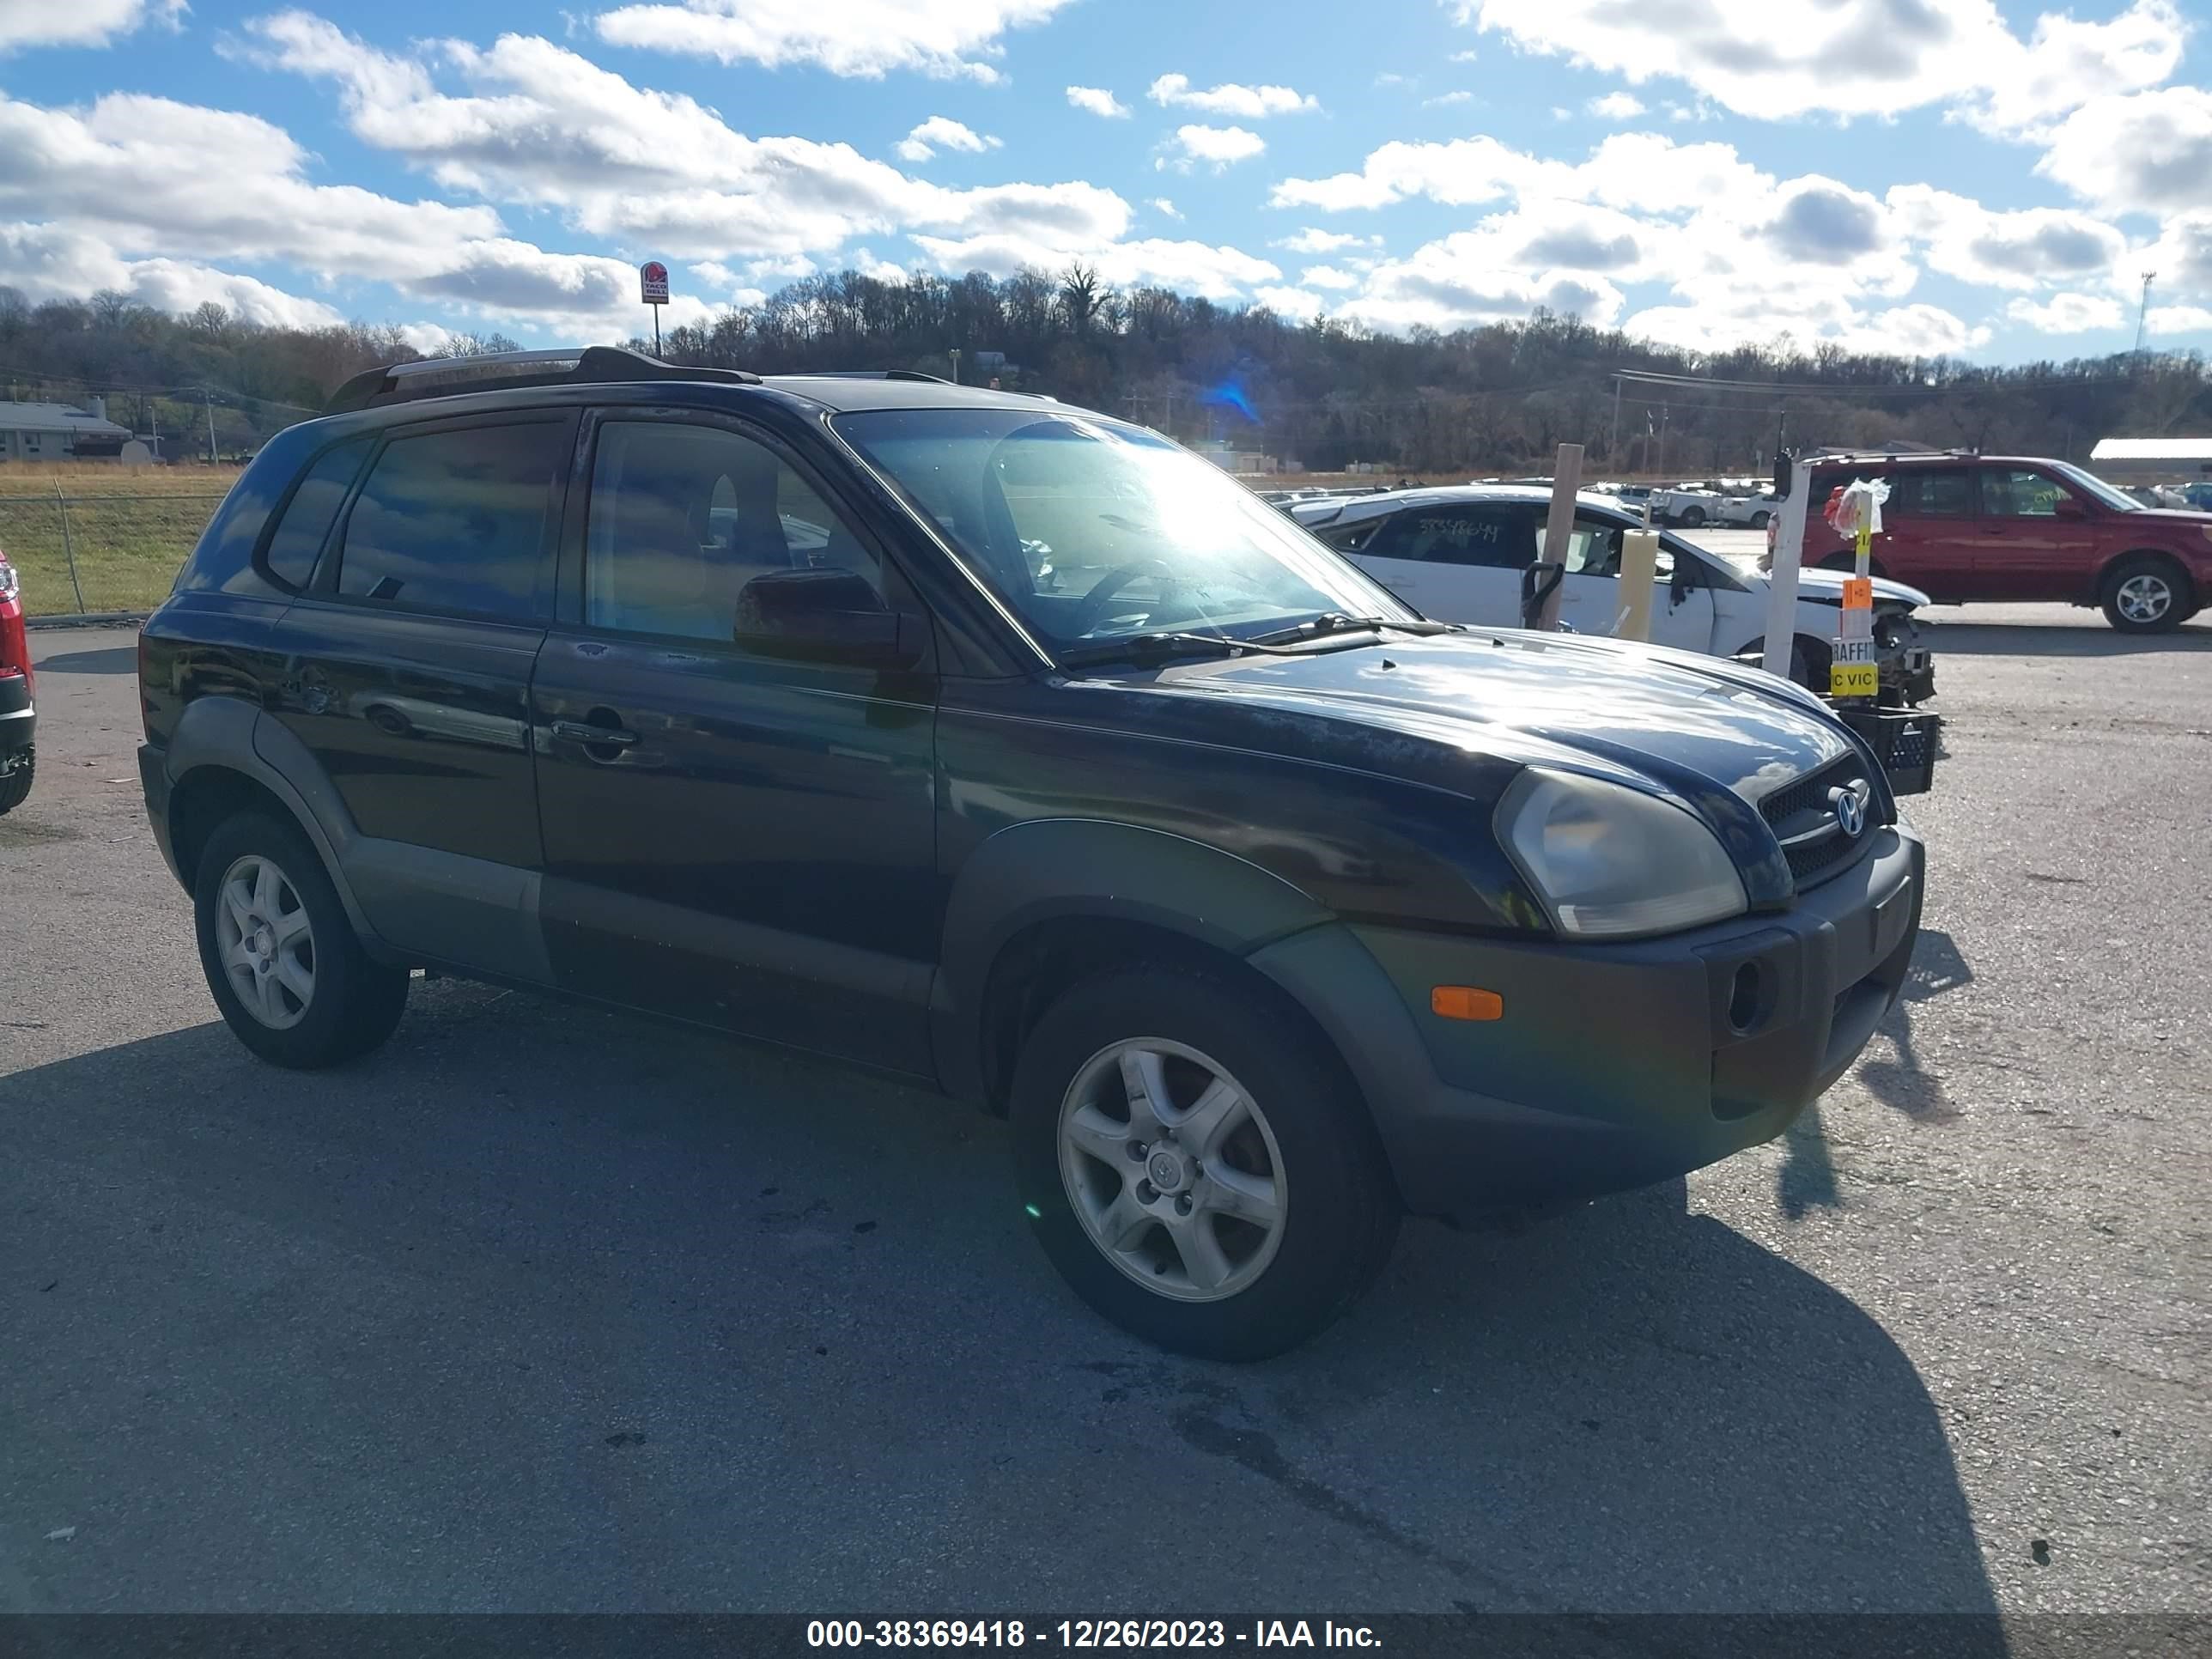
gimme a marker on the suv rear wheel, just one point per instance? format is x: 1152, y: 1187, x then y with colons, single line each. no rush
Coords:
x: 1197, y: 1166
x: 2145, y: 594
x: 280, y: 955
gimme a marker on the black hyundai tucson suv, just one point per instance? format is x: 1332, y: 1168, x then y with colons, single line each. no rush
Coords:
x: 1007, y: 747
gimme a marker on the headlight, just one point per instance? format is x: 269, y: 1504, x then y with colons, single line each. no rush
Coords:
x: 1610, y: 862
x: 8, y: 585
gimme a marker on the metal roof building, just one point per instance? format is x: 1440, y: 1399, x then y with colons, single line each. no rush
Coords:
x: 2152, y: 461
x: 56, y: 432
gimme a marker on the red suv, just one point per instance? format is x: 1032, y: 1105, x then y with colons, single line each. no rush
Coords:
x: 18, y: 720
x: 1963, y: 526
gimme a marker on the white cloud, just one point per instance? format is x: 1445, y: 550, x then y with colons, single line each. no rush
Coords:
x: 864, y: 261
x: 542, y: 127
x: 1631, y: 169
x: 1617, y: 107
x: 2179, y: 320
x: 942, y: 132
x: 1445, y: 100
x: 1467, y: 57
x: 2068, y: 313
x: 1248, y: 103
x: 1290, y: 302
x: 1222, y: 146
x: 1453, y: 283
x: 1166, y: 209
x: 80, y: 23
x: 2147, y: 153
x: 1216, y: 273
x: 941, y: 38
x: 1328, y: 276
x: 2022, y: 249
x: 51, y: 262
x: 1768, y: 59
x: 1097, y: 100
x: 1310, y: 240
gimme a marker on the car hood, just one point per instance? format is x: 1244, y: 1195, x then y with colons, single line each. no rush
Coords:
x: 1689, y: 725
x: 2173, y: 515
x: 1828, y: 587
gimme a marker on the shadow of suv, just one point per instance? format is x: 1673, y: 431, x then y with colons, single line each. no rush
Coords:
x: 1268, y: 910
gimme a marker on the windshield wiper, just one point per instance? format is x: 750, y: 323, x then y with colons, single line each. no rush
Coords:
x: 1137, y: 647
x: 1335, y: 621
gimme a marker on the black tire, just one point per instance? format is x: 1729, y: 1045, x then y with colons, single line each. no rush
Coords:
x: 1341, y: 1214
x: 15, y: 787
x: 2144, y: 575
x: 1809, y: 666
x: 354, y: 1002
x: 1694, y: 518
x: 1761, y: 519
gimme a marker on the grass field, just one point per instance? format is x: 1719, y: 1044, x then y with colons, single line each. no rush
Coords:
x: 128, y: 531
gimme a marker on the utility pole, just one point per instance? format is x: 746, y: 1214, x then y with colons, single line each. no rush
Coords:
x: 210, y: 396
x: 1612, y: 443
x: 2142, y: 313
x: 955, y: 355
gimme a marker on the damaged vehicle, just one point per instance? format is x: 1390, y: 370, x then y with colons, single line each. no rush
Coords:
x: 1268, y: 911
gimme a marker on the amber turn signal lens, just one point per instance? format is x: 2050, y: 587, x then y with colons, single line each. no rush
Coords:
x: 1465, y: 1002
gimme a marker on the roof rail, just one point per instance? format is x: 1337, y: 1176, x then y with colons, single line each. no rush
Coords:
x: 496, y: 371
x: 870, y: 374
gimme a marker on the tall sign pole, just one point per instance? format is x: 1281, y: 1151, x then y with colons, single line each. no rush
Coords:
x: 653, y: 289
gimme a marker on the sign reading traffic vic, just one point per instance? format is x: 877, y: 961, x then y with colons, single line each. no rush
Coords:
x: 653, y: 282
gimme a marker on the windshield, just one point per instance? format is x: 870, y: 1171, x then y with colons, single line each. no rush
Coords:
x: 2095, y: 486
x: 1091, y: 531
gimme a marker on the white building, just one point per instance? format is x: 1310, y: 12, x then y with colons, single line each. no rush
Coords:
x: 61, y: 432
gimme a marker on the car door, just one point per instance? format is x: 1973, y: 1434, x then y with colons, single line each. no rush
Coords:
x: 1454, y: 560
x: 1930, y: 536
x: 2038, y: 539
x: 408, y: 674
x: 1590, y: 599
x: 733, y: 835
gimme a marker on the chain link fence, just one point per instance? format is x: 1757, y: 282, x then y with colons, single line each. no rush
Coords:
x: 89, y: 553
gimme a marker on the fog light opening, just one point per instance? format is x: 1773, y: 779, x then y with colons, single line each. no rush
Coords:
x: 1744, y: 997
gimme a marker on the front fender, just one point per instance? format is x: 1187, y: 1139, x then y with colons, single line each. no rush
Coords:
x: 1052, y: 869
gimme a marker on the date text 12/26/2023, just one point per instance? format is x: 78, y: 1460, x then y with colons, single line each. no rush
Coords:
x: 1086, y: 1633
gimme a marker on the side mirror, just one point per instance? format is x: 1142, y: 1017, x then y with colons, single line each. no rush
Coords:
x: 2067, y: 507
x: 1678, y: 585
x: 822, y: 615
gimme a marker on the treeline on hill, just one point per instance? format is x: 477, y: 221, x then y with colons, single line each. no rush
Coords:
x: 1499, y: 397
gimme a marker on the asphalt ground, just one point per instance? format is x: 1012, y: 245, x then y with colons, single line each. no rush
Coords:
x: 546, y: 1310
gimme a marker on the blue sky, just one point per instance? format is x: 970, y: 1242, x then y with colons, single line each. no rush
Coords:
x: 1913, y: 175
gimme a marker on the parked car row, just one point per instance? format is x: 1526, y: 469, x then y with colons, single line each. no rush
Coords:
x: 1267, y: 909
x: 1457, y: 552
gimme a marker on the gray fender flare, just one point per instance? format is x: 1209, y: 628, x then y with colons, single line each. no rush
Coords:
x: 236, y: 736
x: 1051, y: 869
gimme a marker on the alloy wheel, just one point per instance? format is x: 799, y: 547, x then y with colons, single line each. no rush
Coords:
x: 1172, y: 1169
x: 2144, y: 597
x: 265, y: 942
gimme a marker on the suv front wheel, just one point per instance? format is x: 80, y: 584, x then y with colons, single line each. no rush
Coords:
x: 281, y: 957
x: 2145, y: 595
x: 1197, y: 1164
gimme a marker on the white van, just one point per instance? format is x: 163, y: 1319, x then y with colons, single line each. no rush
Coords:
x: 1457, y: 552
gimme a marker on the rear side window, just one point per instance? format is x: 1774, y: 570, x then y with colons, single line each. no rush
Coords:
x: 312, y: 510
x: 1502, y: 536
x: 455, y: 521
x: 1932, y: 492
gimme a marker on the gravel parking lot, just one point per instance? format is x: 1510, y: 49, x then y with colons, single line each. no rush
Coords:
x: 548, y: 1309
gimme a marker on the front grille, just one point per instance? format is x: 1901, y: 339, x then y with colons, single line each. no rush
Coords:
x: 1804, y: 822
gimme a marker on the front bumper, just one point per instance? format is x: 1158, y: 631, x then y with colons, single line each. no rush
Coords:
x: 1614, y: 1065
x: 19, y: 722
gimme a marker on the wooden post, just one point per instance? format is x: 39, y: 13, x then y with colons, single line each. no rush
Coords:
x: 1788, y: 553
x: 1559, y: 528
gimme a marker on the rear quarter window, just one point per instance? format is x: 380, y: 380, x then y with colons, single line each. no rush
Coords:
x: 306, y: 524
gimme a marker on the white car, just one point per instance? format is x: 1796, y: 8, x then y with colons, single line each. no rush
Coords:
x: 1457, y: 554
x: 1752, y: 512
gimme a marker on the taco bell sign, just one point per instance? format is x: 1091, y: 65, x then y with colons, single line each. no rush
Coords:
x: 653, y: 282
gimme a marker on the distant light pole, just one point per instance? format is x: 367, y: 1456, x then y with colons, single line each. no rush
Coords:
x: 955, y: 355
x: 2143, y: 314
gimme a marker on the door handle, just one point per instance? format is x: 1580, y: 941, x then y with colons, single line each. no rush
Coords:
x: 594, y: 737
